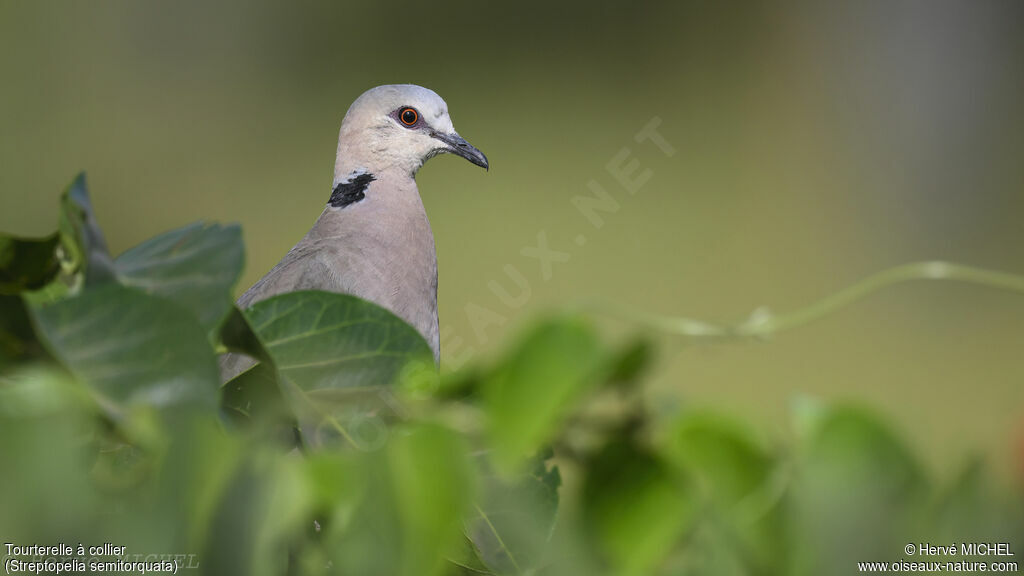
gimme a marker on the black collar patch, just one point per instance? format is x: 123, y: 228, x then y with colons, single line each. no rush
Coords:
x: 350, y: 192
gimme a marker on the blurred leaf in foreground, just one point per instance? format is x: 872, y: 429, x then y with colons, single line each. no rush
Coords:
x: 418, y: 490
x: 858, y: 492
x: 534, y: 388
x: 515, y: 518
x: 636, y: 507
x: 630, y: 362
x: 45, y: 440
x: 851, y: 447
x: 745, y: 488
x: 721, y: 453
x: 260, y: 510
x: 975, y: 509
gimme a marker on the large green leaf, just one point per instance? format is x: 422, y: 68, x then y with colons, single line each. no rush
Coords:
x: 327, y: 341
x: 334, y: 359
x: 528, y: 395
x: 196, y: 266
x: 27, y: 264
x: 130, y: 346
x: 81, y: 239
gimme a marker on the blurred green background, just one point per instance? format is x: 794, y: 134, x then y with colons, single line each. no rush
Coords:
x: 816, y: 143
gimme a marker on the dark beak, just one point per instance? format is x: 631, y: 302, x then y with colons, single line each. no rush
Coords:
x: 457, y: 145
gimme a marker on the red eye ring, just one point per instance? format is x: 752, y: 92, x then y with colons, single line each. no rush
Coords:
x: 408, y: 116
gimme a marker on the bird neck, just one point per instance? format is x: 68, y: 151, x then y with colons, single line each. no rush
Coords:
x: 357, y: 158
x: 391, y: 246
x: 368, y: 197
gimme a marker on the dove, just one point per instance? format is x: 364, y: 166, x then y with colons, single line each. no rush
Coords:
x: 373, y: 239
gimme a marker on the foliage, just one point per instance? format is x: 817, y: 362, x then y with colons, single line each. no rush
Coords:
x: 337, y: 448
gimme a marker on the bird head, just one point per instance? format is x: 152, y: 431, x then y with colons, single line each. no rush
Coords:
x: 399, y: 126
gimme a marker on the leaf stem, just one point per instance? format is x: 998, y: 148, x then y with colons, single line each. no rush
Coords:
x: 762, y: 323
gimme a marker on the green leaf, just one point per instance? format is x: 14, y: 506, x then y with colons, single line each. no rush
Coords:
x: 848, y: 451
x: 745, y: 484
x: 721, y: 453
x: 324, y: 341
x: 238, y: 336
x: 52, y: 292
x: 45, y: 491
x: 196, y: 266
x: 419, y: 488
x: 43, y: 268
x: 256, y: 395
x: 851, y: 447
x: 80, y: 235
x: 41, y: 391
x: 333, y: 482
x: 130, y: 347
x: 636, y: 507
x: 335, y: 486
x: 515, y: 518
x: 27, y: 264
x: 467, y: 562
x: 630, y: 362
x: 264, y: 507
x: 964, y: 510
x: 976, y: 509
x: 434, y: 487
x: 530, y: 393
x: 336, y: 357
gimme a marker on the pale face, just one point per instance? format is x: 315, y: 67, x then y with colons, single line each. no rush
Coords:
x: 401, y: 125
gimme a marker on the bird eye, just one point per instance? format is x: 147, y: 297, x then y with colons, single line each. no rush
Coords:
x: 408, y: 116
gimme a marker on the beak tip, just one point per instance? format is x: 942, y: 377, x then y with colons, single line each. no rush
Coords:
x: 477, y: 157
x: 457, y: 145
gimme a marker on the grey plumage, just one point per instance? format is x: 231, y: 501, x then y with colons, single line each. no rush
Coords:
x: 373, y: 240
